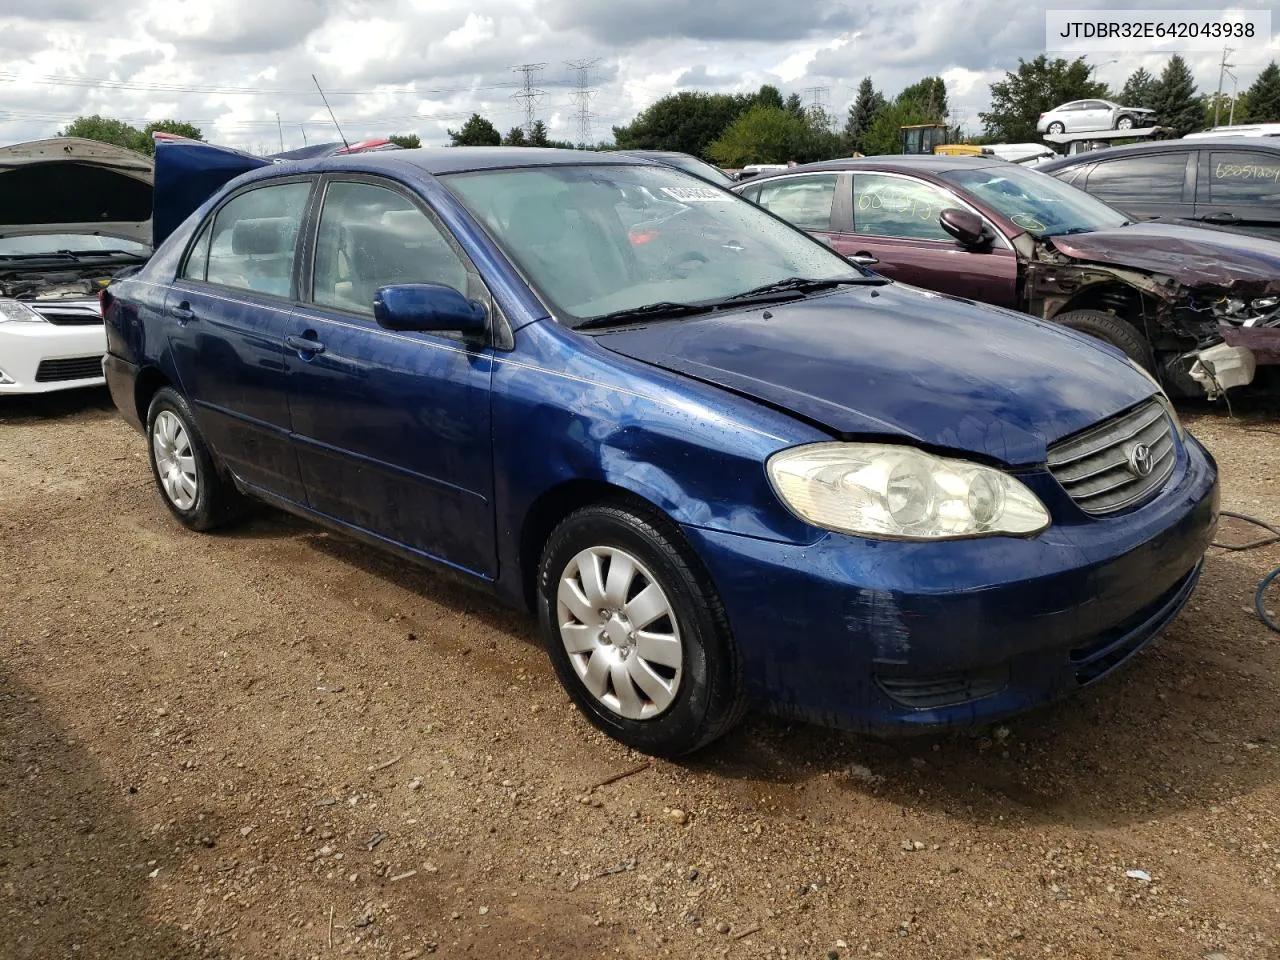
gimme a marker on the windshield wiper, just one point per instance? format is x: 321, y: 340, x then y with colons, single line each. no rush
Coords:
x: 661, y: 310
x: 793, y: 288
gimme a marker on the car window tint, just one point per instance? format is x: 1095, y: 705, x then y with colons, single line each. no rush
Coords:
x: 894, y: 207
x: 1238, y: 177
x: 198, y: 258
x: 804, y: 201
x: 254, y: 236
x: 1095, y: 105
x: 373, y: 237
x: 1155, y: 179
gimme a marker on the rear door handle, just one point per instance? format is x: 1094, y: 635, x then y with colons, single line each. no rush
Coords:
x: 304, y: 344
x: 183, y: 312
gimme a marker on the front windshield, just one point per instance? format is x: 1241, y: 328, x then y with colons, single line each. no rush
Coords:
x: 597, y: 240
x: 1042, y: 205
x: 50, y: 243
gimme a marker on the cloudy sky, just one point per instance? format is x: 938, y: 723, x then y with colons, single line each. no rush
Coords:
x: 232, y: 66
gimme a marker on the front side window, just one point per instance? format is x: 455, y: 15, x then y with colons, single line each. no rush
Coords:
x: 1038, y: 203
x: 804, y: 201
x: 1238, y: 177
x: 897, y: 207
x: 1154, y: 179
x: 596, y: 239
x: 373, y: 237
x: 253, y: 239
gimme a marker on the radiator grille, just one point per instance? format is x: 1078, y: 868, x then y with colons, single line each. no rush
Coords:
x: 73, y: 368
x: 1118, y: 463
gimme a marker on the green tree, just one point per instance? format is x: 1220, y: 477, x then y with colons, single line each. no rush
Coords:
x: 410, y: 141
x: 769, y: 96
x: 930, y: 96
x: 1139, y: 90
x: 761, y: 135
x: 1175, y: 100
x: 476, y: 132
x: 515, y: 138
x: 885, y: 136
x: 794, y: 105
x: 687, y: 121
x: 1038, y: 86
x: 538, y: 135
x: 1264, y: 96
x: 862, y: 114
x: 104, y: 130
x: 1218, y: 109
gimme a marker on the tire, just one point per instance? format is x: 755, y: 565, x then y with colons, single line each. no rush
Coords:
x: 1124, y: 123
x: 1110, y: 329
x: 693, y: 688
x: 1056, y: 127
x: 192, y: 487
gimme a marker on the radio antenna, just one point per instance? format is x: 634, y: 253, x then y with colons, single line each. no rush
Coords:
x: 330, y: 109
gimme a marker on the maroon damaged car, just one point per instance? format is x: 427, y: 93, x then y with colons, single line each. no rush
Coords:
x: 1195, y: 306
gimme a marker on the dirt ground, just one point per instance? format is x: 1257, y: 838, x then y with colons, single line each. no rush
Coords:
x: 274, y: 743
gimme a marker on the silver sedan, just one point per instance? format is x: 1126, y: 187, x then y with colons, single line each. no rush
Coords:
x: 1081, y: 115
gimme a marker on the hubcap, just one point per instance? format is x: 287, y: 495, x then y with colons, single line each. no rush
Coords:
x: 175, y: 462
x: 620, y: 632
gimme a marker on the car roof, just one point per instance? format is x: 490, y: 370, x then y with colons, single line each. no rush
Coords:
x: 443, y: 160
x: 922, y: 163
x: 1162, y: 146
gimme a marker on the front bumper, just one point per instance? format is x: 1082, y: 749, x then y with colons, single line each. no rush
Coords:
x: 891, y: 636
x: 38, y: 357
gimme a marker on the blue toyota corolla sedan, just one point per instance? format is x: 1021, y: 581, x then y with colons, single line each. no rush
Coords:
x: 722, y: 463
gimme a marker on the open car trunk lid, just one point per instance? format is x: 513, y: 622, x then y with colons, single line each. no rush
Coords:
x: 70, y: 185
x: 189, y: 172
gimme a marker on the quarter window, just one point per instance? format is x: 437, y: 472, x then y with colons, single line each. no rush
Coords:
x: 1236, y: 177
x: 1152, y: 179
x: 896, y: 207
x: 254, y: 236
x: 803, y: 201
x: 372, y: 237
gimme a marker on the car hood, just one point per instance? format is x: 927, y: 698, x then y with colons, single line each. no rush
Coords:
x: 900, y: 362
x: 1191, y: 255
x: 70, y: 185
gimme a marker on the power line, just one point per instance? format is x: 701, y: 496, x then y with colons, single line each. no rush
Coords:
x: 582, y: 96
x: 529, y: 95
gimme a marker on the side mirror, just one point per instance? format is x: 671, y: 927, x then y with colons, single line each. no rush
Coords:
x: 428, y: 307
x: 967, y: 227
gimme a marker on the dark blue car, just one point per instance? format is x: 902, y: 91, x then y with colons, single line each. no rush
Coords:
x: 722, y: 463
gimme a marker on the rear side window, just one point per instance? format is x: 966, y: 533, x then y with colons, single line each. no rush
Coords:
x: 372, y: 237
x: 1238, y: 177
x: 803, y: 201
x: 895, y: 207
x: 1154, y: 179
x: 254, y: 237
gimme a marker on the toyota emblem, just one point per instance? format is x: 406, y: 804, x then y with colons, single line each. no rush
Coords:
x: 1140, y: 462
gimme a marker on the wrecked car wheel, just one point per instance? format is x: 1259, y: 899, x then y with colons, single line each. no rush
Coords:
x: 1124, y: 123
x: 1056, y: 128
x: 1121, y: 335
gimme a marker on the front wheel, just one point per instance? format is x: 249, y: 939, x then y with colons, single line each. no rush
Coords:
x: 636, y: 632
x: 1124, y: 123
x: 182, y: 465
x: 1111, y: 329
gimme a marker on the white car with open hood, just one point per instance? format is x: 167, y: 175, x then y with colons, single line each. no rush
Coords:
x: 72, y: 214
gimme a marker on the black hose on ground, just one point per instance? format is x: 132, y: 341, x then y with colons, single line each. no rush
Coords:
x: 1271, y: 577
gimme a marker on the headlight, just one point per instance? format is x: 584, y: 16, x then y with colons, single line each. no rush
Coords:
x: 900, y: 493
x: 16, y: 311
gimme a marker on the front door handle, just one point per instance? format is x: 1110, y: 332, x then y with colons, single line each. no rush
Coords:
x: 304, y: 344
x: 183, y: 312
x: 863, y: 259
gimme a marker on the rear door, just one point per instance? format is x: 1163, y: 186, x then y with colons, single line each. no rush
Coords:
x: 1240, y: 190
x: 1146, y: 186
x: 895, y: 221
x: 228, y: 311
x: 392, y: 427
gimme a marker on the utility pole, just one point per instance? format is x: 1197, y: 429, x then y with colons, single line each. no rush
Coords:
x: 1217, y: 101
x: 582, y: 95
x: 1234, y: 86
x: 303, y: 128
x: 528, y: 94
x: 280, y: 128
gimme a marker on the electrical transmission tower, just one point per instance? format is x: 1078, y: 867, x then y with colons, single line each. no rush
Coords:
x: 529, y: 94
x: 582, y: 94
x: 815, y: 99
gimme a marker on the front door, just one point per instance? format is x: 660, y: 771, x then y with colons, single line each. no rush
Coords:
x: 228, y: 311
x: 392, y: 428
x: 896, y: 222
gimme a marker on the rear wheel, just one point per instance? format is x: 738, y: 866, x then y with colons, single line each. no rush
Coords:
x: 193, y: 489
x: 1056, y: 127
x: 1111, y: 329
x: 636, y: 632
